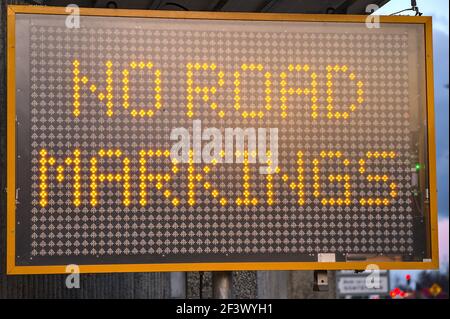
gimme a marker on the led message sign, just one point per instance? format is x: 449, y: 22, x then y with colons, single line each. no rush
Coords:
x: 161, y: 143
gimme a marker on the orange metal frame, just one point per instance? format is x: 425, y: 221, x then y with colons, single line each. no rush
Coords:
x: 12, y: 268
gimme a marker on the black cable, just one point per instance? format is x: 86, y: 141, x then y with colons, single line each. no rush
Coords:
x: 414, y: 8
x: 404, y: 10
x: 176, y: 5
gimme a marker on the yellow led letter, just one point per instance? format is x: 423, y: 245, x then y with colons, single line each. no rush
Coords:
x: 269, y: 178
x: 203, y: 91
x: 285, y: 90
x: 345, y: 178
x: 300, y: 185
x: 359, y: 92
x: 97, y: 178
x: 157, y: 180
x: 125, y: 89
x: 237, y: 90
x: 376, y: 178
x: 246, y: 199
x: 79, y: 80
x: 45, y: 161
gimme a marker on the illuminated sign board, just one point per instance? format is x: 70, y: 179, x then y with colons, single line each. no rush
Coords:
x: 153, y: 141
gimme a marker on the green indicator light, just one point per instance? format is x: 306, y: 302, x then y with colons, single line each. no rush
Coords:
x: 417, y: 166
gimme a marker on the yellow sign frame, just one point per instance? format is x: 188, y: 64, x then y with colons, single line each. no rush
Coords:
x: 381, y: 262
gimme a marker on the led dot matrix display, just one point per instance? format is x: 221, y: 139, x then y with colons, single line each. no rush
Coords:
x: 97, y: 183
